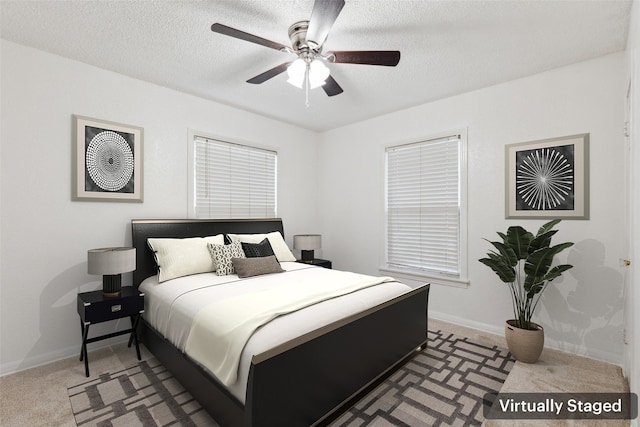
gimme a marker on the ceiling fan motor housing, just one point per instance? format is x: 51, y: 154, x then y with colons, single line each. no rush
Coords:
x: 298, y: 37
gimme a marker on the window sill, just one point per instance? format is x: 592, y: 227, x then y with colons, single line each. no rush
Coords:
x: 434, y: 279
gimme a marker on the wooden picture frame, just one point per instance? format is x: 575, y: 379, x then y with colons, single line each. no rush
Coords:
x: 107, y: 161
x: 548, y: 178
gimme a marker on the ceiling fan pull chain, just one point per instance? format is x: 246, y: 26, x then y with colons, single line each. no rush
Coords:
x: 306, y: 85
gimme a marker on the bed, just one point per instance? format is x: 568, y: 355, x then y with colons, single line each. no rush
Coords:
x: 307, y: 379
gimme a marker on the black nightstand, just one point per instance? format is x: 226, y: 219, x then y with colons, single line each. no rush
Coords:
x: 95, y: 307
x: 317, y: 261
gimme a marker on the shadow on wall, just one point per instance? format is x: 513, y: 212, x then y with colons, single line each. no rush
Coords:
x: 57, y: 317
x: 589, y: 318
x: 59, y: 323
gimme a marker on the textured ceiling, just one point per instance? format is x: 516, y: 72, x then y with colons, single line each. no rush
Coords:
x: 448, y: 47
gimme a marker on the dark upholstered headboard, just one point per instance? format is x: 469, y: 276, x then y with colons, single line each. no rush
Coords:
x: 142, y: 229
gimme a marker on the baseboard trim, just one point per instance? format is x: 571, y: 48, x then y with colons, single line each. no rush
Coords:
x: 602, y: 356
x: 461, y: 321
x: 54, y: 356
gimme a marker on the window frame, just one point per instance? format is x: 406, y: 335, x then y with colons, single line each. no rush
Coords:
x: 191, y: 170
x: 433, y: 277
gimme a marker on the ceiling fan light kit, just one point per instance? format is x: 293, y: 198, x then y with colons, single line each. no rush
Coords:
x: 309, y: 70
x: 312, y: 72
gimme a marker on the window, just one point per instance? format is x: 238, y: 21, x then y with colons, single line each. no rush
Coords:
x: 232, y: 180
x: 425, y: 219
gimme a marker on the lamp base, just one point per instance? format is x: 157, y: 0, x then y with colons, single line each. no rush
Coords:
x: 111, y: 285
x: 307, y: 256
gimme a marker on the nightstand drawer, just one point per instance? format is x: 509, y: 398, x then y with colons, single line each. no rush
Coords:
x: 94, y: 307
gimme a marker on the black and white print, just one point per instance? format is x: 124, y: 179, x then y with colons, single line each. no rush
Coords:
x: 545, y: 179
x: 109, y: 160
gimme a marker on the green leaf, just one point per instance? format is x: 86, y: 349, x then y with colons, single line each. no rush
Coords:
x: 531, y: 280
x: 556, y: 272
x: 506, y: 273
x: 535, y: 289
x: 539, y: 262
x: 518, y: 239
x: 506, y: 252
x: 542, y: 240
x: 548, y: 226
x: 561, y: 247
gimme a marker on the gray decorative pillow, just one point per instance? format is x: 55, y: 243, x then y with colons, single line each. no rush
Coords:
x: 247, y: 267
x: 222, y: 256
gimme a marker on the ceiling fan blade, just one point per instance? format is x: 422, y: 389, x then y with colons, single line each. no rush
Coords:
x: 388, y: 58
x: 261, y: 78
x: 323, y: 15
x: 331, y: 87
x: 232, y: 32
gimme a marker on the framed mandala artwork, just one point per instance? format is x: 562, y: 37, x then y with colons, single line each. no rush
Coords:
x: 108, y: 161
x: 548, y: 178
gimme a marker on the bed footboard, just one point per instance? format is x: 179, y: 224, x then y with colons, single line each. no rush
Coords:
x: 313, y: 379
x: 211, y: 394
x: 308, y: 380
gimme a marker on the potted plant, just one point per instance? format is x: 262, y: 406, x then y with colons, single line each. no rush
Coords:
x: 523, y: 261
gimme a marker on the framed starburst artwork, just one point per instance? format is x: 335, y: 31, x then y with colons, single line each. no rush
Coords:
x: 548, y: 178
x: 107, y: 161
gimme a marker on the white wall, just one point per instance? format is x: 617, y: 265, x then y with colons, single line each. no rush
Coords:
x: 45, y: 236
x: 632, y: 353
x: 582, y: 312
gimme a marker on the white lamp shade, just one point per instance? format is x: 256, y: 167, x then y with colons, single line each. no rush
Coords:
x: 296, y: 72
x: 317, y: 71
x: 109, y: 261
x: 307, y: 242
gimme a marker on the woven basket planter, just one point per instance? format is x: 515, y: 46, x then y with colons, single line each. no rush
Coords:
x: 525, y: 345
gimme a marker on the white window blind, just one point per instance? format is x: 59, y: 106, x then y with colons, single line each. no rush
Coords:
x: 423, y: 206
x: 233, y: 180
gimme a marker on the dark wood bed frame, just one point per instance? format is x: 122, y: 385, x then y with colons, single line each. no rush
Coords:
x: 307, y: 381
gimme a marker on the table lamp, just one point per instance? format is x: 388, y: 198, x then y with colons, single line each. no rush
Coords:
x: 111, y: 263
x: 307, y: 243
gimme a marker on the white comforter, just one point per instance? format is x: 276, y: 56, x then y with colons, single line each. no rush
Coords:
x: 172, y: 305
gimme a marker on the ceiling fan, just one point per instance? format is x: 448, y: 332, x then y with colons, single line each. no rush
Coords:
x: 307, y: 37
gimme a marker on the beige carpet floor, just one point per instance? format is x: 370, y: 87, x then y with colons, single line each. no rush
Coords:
x: 554, y: 372
x: 38, y: 396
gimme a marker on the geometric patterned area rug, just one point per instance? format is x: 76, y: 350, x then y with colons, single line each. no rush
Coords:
x: 143, y: 395
x: 443, y: 385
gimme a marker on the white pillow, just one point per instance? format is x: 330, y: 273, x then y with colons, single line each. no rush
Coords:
x: 280, y: 248
x: 183, y: 257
